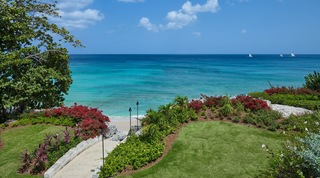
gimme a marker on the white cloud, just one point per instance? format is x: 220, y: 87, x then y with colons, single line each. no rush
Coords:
x: 182, y: 17
x: 74, y: 14
x: 178, y: 19
x: 130, y: 0
x: 145, y: 22
x: 73, y: 4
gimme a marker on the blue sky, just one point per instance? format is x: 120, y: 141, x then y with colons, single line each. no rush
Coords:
x: 192, y: 27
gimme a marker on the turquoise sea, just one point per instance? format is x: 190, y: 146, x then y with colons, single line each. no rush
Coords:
x: 113, y: 83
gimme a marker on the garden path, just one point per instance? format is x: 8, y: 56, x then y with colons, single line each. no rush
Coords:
x: 84, y: 165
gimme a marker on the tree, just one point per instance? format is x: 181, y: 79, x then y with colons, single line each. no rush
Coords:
x: 34, y: 69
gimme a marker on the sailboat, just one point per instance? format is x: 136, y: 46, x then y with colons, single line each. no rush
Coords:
x: 293, y: 55
x: 281, y: 55
x: 250, y: 55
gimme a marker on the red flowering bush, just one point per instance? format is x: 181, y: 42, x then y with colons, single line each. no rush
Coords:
x: 251, y: 103
x: 91, y: 120
x: 196, y: 105
x: 289, y: 90
x: 210, y: 101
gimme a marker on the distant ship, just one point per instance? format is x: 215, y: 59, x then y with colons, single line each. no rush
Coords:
x: 293, y: 55
x: 250, y: 55
x: 281, y: 55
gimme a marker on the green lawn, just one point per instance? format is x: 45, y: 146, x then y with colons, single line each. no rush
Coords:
x: 215, y: 149
x: 16, y: 140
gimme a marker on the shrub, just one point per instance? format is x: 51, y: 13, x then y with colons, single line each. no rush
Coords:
x: 226, y: 109
x: 307, y: 101
x: 196, y: 105
x: 313, y: 81
x: 134, y: 153
x: 251, y: 103
x: 236, y: 119
x: 91, y: 120
x: 140, y: 150
x: 48, y: 152
x: 303, y: 123
x: 263, y: 118
x: 299, y: 158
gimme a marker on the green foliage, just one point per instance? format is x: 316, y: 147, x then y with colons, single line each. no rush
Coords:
x: 169, y: 116
x: 302, y: 124
x: 49, y: 151
x: 313, y: 81
x: 134, y: 153
x: 31, y: 76
x: 226, y: 109
x: 140, y: 150
x: 238, y: 108
x: 264, y: 118
x: 307, y: 101
x: 55, y: 154
x: 299, y: 158
x: 236, y: 119
x: 300, y: 154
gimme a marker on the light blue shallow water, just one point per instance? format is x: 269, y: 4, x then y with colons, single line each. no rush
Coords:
x: 113, y: 83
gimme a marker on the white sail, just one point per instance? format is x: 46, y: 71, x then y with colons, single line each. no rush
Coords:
x: 293, y: 55
x: 250, y: 55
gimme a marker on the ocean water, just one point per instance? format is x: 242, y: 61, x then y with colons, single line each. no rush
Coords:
x: 113, y: 83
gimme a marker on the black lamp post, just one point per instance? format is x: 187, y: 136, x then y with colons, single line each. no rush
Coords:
x: 137, y: 113
x: 130, y: 120
x: 102, y: 133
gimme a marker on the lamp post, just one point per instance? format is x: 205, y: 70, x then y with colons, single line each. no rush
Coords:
x: 137, y: 113
x: 130, y: 120
x: 102, y: 133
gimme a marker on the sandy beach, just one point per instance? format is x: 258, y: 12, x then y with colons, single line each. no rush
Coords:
x: 124, y: 126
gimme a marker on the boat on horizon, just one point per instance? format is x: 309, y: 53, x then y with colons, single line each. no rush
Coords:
x: 281, y: 55
x: 292, y: 55
x: 250, y: 55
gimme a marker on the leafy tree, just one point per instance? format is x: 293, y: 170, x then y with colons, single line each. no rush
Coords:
x: 34, y: 69
x: 313, y: 81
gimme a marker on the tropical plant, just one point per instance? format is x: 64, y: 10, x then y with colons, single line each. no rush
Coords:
x: 49, y: 151
x: 313, y: 81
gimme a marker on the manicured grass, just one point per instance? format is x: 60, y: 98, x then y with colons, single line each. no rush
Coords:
x: 17, y: 140
x: 216, y: 149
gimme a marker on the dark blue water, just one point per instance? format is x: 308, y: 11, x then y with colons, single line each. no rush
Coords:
x: 114, y: 83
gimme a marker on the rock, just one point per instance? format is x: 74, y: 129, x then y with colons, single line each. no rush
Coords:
x: 119, y: 136
x: 286, y: 111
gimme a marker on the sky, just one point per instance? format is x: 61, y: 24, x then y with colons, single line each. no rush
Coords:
x: 192, y: 26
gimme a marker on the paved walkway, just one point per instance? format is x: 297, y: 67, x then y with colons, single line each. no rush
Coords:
x: 86, y: 162
x: 84, y: 165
